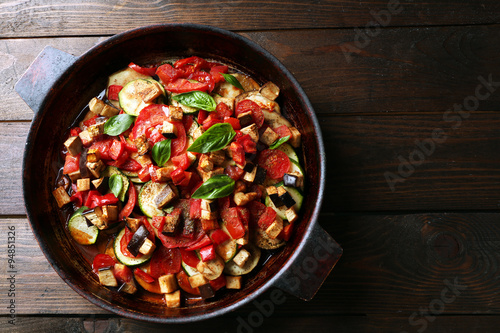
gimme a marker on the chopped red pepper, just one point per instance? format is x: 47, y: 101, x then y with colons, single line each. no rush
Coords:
x: 75, y: 131
x: 219, y: 236
x: 197, y: 62
x: 201, y: 243
x: 113, y: 91
x: 202, y: 115
x: 195, y: 208
x: 149, y: 71
x: 91, y: 121
x: 116, y: 150
x: 267, y: 218
x: 144, y: 174
x: 237, y: 153
x: 218, y: 283
x: 181, y: 161
x: 207, y: 253
x: 181, y: 177
x: 129, y: 207
x: 123, y: 273
x: 102, y: 261
x: 129, y: 146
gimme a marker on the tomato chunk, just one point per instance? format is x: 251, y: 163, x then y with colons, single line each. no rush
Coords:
x: 233, y: 223
x: 190, y: 257
x: 122, y: 273
x: 102, y: 261
x: 71, y: 163
x: 267, y: 218
x: 248, y: 105
x: 113, y: 91
x: 275, y: 162
x: 149, y: 71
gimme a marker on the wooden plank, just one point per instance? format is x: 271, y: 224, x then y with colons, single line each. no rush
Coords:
x: 392, y: 264
x: 91, y: 17
x: 401, y: 70
x: 463, y: 172
x: 346, y: 324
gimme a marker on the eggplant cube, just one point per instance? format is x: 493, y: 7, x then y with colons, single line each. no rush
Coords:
x: 285, y: 197
x: 108, y: 111
x: 206, y: 291
x: 61, y: 196
x: 295, y: 138
x: 164, y: 173
x: 270, y: 90
x: 241, y: 258
x: 175, y: 113
x: 250, y: 176
x: 137, y: 240
x: 206, y: 215
x: 132, y: 223
x: 260, y: 176
x: 197, y: 280
x: 243, y: 240
x: 96, y: 167
x: 93, y: 155
x: 241, y: 199
x: 74, y: 176
x: 74, y: 145
x: 217, y: 157
x: 164, y: 196
x: 291, y: 215
x: 169, y: 130
x: 147, y: 247
x: 173, y: 300
x: 107, y: 278
x: 209, y: 205
x: 83, y: 184
x: 246, y: 120
x: 205, y: 164
x: 171, y: 223
x: 293, y: 179
x: 252, y: 131
x: 168, y: 283
x: 269, y: 136
x: 142, y: 144
x: 96, y: 105
x: 233, y: 282
x: 275, y: 228
x: 128, y: 287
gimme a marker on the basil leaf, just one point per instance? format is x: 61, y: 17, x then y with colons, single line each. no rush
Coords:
x: 169, y: 210
x: 218, y: 186
x: 118, y: 124
x: 232, y: 80
x: 196, y: 99
x: 161, y: 152
x: 115, y: 184
x: 279, y: 142
x: 215, y: 138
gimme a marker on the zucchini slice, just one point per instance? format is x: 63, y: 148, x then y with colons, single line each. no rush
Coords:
x: 147, y: 197
x: 127, y: 261
x: 111, y: 170
x: 294, y: 158
x: 81, y: 232
x: 190, y: 271
x: 232, y: 269
x: 132, y: 94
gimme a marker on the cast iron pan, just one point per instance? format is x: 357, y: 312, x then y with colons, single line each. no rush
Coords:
x: 57, y: 87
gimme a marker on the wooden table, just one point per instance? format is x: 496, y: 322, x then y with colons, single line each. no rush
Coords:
x: 407, y: 95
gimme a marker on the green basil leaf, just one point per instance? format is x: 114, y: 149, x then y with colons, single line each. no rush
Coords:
x: 118, y: 124
x: 279, y: 142
x: 215, y: 138
x: 161, y: 152
x: 169, y: 210
x: 232, y: 80
x: 115, y: 184
x: 218, y: 186
x: 196, y: 99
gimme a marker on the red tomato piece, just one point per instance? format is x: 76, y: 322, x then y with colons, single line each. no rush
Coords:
x: 244, y: 215
x: 151, y: 116
x: 215, y: 72
x: 178, y: 145
x: 202, y: 115
x: 149, y: 227
x: 91, y: 121
x: 211, y: 120
x: 129, y: 207
x: 184, y: 85
x: 201, y: 243
x: 131, y: 165
x: 235, y: 123
x: 152, y: 173
x: 113, y: 91
x: 195, y: 208
x: 197, y: 62
x: 207, y: 253
x: 149, y: 71
x: 203, y: 77
x: 219, y: 236
x: 233, y: 223
x: 102, y: 261
x: 283, y: 131
x: 100, y: 200
x: 116, y: 150
x: 237, y: 153
x: 181, y: 177
x: 223, y: 110
x: 165, y: 261
x: 143, y: 275
x: 144, y: 174
x: 180, y: 241
x: 275, y: 162
x: 75, y: 131
x: 234, y: 172
x: 218, y: 283
x: 71, y: 163
x: 267, y: 218
x: 183, y: 281
x: 123, y: 273
x: 120, y: 161
x: 129, y: 146
x: 249, y: 146
x: 248, y: 105
x: 190, y: 257
x: 103, y: 146
x: 286, y: 233
x: 167, y: 73
x: 181, y: 161
x: 158, y: 222
x: 256, y: 209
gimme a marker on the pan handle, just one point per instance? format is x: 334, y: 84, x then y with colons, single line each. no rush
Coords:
x: 311, y: 267
x: 39, y: 78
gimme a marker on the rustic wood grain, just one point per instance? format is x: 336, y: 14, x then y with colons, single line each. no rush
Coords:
x: 91, y: 17
x: 360, y: 150
x: 401, y: 70
x: 392, y: 264
x: 337, y: 323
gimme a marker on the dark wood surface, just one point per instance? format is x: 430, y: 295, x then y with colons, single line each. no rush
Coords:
x: 423, y: 256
